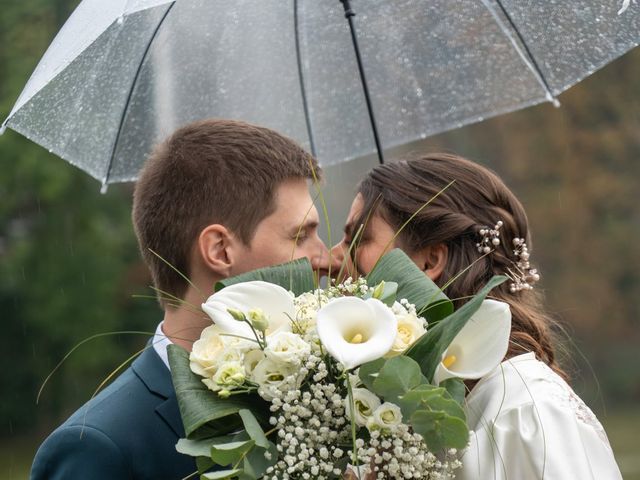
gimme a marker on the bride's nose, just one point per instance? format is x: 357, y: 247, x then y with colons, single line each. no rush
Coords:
x: 339, y: 252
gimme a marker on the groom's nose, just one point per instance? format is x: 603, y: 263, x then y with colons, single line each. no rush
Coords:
x: 324, y: 262
x: 339, y: 254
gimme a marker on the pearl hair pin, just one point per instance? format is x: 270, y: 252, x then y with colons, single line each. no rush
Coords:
x: 522, y: 276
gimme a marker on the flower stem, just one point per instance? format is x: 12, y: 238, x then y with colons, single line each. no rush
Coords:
x: 354, y: 454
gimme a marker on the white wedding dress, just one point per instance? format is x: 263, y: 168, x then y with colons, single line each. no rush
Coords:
x: 528, y: 424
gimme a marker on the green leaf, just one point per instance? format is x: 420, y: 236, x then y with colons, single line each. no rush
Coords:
x: 446, y: 405
x: 397, y: 376
x: 230, y: 453
x: 195, y: 448
x: 255, y: 463
x: 296, y: 276
x: 205, y: 414
x: 386, y: 292
x: 417, y: 397
x: 204, y: 463
x: 253, y: 428
x: 428, y: 349
x: 456, y: 389
x: 368, y: 372
x: 440, y: 430
x: 221, y: 475
x: 413, y: 285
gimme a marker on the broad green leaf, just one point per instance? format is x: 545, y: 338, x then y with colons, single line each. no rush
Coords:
x: 413, y: 285
x: 253, y: 428
x: 221, y: 475
x: 368, y: 372
x: 440, y: 430
x: 396, y: 377
x: 456, y: 389
x: 296, y: 276
x: 230, y: 453
x: 428, y: 349
x: 205, y: 414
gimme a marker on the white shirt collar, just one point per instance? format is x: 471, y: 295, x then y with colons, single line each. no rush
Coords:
x: 160, y: 344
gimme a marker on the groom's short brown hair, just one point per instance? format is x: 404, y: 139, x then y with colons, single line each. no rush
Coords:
x: 211, y: 171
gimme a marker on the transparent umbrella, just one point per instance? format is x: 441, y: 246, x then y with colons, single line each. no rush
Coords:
x: 122, y: 75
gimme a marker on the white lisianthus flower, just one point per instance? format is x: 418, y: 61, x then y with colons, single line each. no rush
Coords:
x: 287, y: 347
x: 205, y: 354
x: 385, y: 417
x: 229, y: 375
x: 274, y: 302
x: 365, y: 403
x: 410, y: 329
x: 251, y: 360
x: 356, y: 331
x: 480, y: 346
x: 271, y: 376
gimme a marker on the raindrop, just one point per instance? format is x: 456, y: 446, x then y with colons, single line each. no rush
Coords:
x: 104, y: 188
x: 3, y: 128
x: 419, y: 92
x: 120, y: 20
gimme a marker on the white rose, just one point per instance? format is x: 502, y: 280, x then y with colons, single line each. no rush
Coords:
x: 271, y: 376
x: 287, y: 347
x: 205, y: 354
x: 410, y: 329
x: 385, y: 417
x: 251, y: 360
x: 365, y: 404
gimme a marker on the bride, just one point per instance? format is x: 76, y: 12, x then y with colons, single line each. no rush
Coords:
x: 526, y: 421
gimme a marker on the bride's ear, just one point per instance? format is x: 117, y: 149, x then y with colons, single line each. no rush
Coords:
x: 432, y: 260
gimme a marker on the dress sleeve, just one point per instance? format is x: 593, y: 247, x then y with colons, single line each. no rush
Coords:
x: 546, y: 439
x: 79, y: 452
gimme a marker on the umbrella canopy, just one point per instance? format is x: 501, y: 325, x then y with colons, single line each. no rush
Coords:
x: 123, y: 74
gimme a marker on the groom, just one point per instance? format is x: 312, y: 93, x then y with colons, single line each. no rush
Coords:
x: 217, y: 199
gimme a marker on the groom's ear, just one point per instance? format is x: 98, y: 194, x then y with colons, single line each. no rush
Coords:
x: 432, y: 260
x: 214, y: 244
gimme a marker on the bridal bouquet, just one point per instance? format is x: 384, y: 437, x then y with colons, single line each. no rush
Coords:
x: 359, y: 380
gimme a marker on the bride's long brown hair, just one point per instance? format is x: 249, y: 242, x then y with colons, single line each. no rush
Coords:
x: 478, y: 198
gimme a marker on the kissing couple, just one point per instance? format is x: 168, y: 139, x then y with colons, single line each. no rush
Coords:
x: 219, y: 198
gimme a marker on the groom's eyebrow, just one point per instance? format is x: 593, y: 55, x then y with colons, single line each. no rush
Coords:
x: 308, y: 225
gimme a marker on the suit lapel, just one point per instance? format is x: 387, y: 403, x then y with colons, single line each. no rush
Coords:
x: 157, y: 378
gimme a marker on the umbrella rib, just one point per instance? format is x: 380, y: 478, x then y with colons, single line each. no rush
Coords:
x: 130, y: 95
x: 526, y: 55
x: 303, y: 92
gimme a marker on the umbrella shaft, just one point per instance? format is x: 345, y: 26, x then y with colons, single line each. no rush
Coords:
x: 349, y: 14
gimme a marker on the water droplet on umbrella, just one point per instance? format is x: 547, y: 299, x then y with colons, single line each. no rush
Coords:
x: 2, y: 129
x: 120, y: 19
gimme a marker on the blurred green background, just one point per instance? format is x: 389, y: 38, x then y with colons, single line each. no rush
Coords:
x: 69, y: 263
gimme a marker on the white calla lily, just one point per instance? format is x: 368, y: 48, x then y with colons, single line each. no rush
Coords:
x: 480, y: 346
x: 273, y: 300
x: 356, y: 331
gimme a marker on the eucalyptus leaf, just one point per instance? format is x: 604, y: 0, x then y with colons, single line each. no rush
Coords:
x: 368, y: 372
x: 396, y: 377
x: 428, y: 349
x: 416, y: 398
x: 440, y: 430
x: 253, y: 428
x: 456, y: 388
x: 296, y: 276
x: 255, y: 464
x: 205, y: 414
x: 413, y: 285
x: 195, y: 448
x: 230, y: 453
x: 221, y: 475
x: 446, y: 405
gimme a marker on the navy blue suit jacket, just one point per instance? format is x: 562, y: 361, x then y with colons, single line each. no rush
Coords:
x: 129, y: 431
